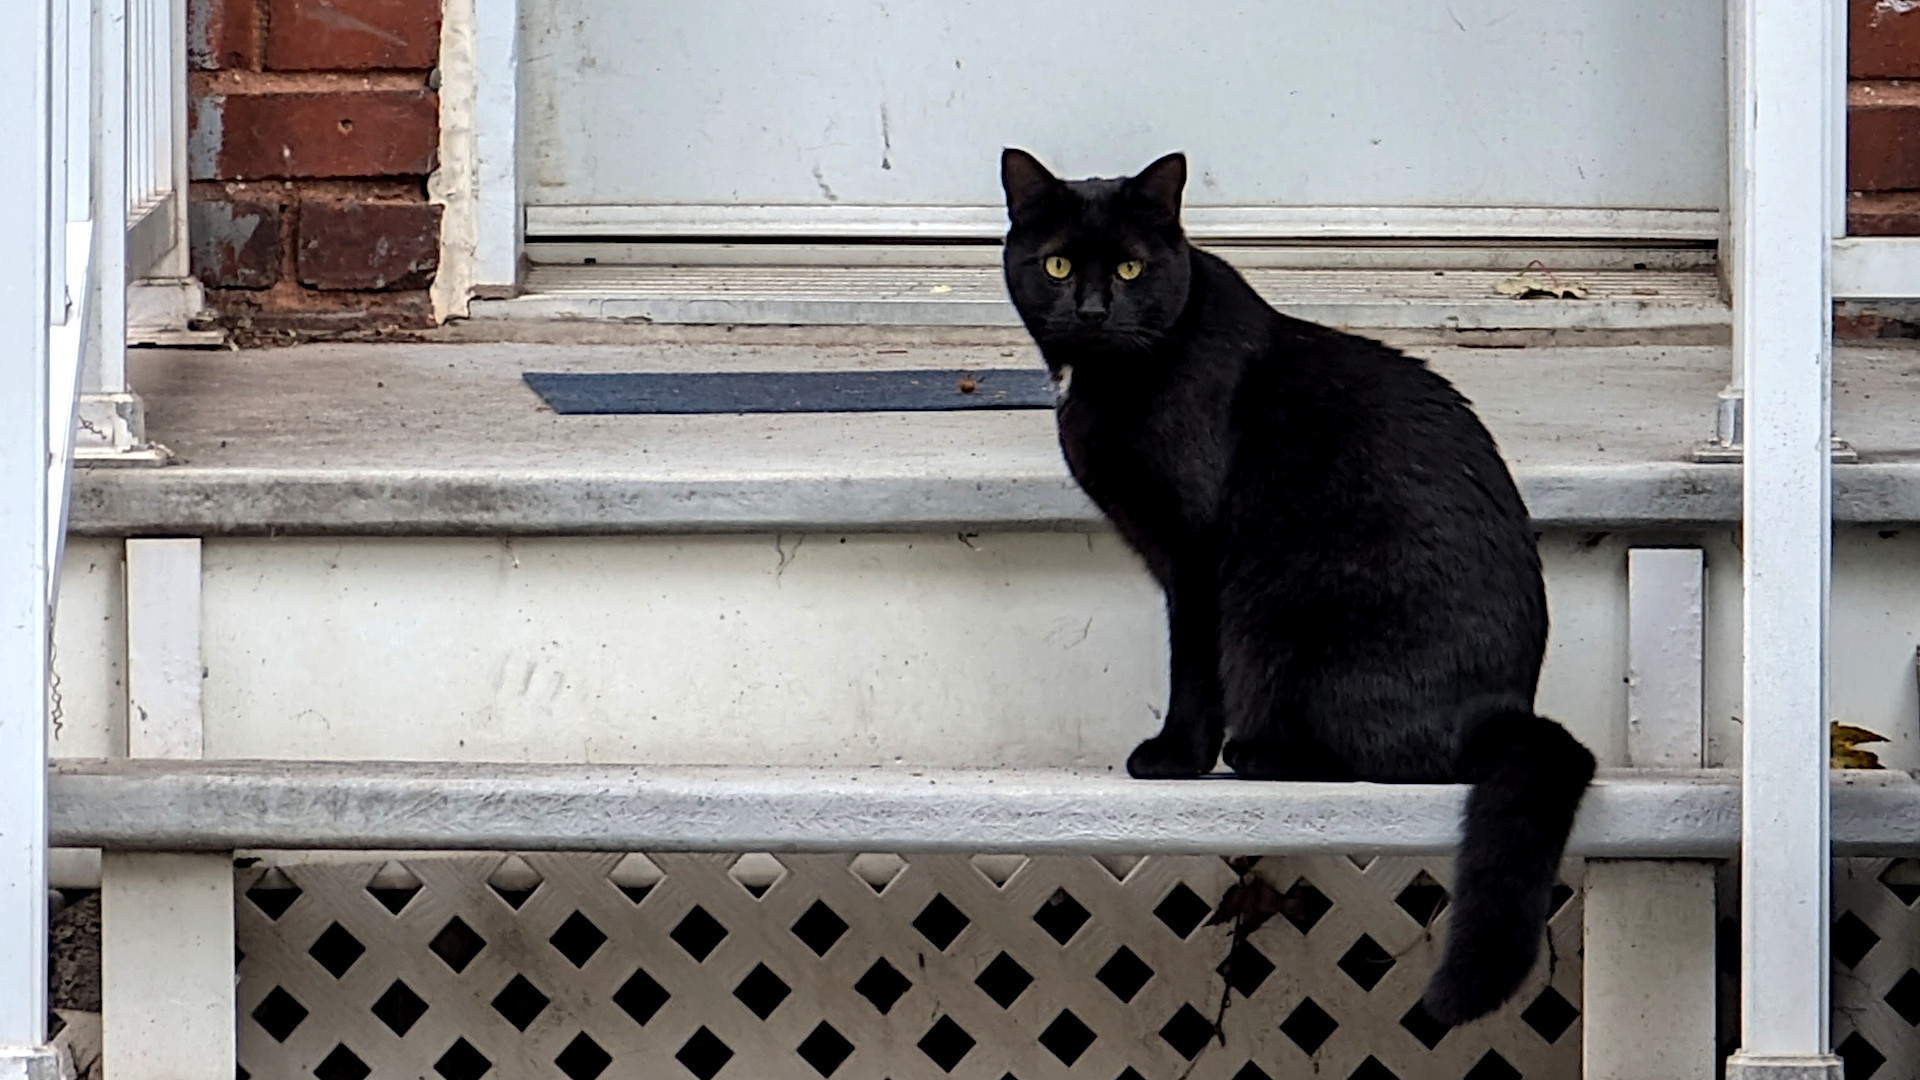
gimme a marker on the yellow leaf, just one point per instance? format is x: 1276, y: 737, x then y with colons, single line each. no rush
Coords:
x: 1843, y: 746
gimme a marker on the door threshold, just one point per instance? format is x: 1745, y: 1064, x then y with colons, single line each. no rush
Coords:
x: 971, y: 293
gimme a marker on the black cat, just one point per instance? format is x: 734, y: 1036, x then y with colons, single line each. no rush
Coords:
x: 1353, y: 590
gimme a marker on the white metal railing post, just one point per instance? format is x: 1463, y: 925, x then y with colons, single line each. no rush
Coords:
x: 107, y: 359
x: 1725, y: 445
x: 1783, y: 327
x: 498, y: 219
x: 25, y: 228
x: 70, y: 289
x: 136, y: 119
x: 178, y: 262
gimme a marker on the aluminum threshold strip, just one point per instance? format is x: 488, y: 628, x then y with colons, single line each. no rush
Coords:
x: 972, y: 295
x: 1210, y: 223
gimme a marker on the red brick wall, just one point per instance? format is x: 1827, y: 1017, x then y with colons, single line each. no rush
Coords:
x: 314, y: 126
x: 1883, y: 117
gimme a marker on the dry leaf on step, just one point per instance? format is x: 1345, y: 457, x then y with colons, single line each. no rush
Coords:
x: 1844, y: 742
x: 1538, y: 287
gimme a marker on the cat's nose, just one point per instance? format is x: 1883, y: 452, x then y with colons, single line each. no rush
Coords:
x: 1093, y: 314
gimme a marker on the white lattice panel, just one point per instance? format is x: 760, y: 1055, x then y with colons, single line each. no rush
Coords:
x: 579, y: 966
x: 1876, y: 949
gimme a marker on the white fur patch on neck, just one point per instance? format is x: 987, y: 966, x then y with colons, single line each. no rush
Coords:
x: 1062, y: 383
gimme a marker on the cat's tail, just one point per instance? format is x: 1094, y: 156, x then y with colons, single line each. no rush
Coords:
x: 1528, y: 775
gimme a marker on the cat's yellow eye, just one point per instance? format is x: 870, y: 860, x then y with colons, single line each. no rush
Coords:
x: 1057, y: 267
x: 1129, y: 270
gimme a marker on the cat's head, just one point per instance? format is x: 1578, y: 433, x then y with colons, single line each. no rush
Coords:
x: 1096, y: 264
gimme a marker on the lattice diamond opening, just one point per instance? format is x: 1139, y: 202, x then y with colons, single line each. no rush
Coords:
x: 1371, y: 1069
x: 1061, y: 916
x: 394, y: 886
x: 820, y: 928
x: 400, y: 1008
x: 640, y: 997
x: 1067, y: 1037
x: 1309, y: 1026
x: 520, y: 1004
x: 342, y: 1064
x: 1851, y: 939
x: 513, y: 881
x: 825, y: 1049
x: 1493, y: 1067
x: 946, y: 1044
x: 1550, y: 1015
x: 462, y: 1062
x: 1245, y: 968
x: 762, y: 991
x: 279, y: 1014
x: 1004, y: 980
x: 1304, y: 905
x: 583, y: 1059
x: 699, y: 933
x: 1124, y: 974
x: 586, y: 967
x: 704, y: 1054
x: 940, y: 922
x: 273, y: 894
x: 882, y: 985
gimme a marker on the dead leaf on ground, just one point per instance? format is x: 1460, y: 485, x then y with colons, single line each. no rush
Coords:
x: 1248, y: 904
x: 1843, y: 747
x: 1537, y: 287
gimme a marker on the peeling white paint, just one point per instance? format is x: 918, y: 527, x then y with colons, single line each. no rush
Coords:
x: 453, y: 185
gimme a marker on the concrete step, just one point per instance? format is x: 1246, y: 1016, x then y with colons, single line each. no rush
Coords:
x: 404, y: 556
x: 445, y: 440
x: 438, y: 806
x: 223, y: 806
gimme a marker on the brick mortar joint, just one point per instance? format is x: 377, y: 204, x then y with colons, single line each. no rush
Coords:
x: 1883, y: 93
x: 283, y: 192
x: 235, y: 84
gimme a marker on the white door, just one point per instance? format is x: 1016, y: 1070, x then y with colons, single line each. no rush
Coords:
x: 884, y: 118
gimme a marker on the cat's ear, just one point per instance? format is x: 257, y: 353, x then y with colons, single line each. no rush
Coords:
x: 1027, y: 182
x: 1161, y: 183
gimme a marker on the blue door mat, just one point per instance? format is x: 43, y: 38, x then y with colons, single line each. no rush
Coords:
x: 682, y: 393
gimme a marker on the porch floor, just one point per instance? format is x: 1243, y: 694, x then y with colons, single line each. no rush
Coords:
x: 445, y: 439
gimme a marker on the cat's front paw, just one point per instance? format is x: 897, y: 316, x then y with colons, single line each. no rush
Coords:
x: 1161, y: 758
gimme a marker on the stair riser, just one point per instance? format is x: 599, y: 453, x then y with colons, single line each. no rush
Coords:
x: 1027, y: 649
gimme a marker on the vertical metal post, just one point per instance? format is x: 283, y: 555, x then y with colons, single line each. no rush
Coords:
x: 496, y: 60
x: 1783, y: 327
x: 107, y: 359
x: 78, y: 71
x: 112, y: 425
x: 178, y: 262
x: 1725, y: 444
x: 59, y: 29
x: 1837, y: 124
x: 25, y: 208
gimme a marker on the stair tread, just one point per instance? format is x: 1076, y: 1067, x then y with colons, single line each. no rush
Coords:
x: 445, y: 439
x: 438, y: 805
